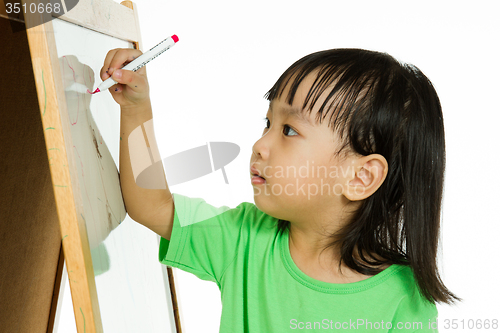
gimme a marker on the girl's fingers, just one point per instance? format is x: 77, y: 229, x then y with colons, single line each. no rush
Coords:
x: 116, y: 59
x: 107, y: 61
x: 135, y: 81
x: 121, y: 58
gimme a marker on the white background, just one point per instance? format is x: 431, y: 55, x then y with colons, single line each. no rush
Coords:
x: 210, y: 87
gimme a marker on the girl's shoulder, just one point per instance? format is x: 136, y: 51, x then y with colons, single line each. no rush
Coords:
x: 412, y: 302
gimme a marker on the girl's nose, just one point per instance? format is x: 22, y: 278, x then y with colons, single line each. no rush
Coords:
x: 260, y: 148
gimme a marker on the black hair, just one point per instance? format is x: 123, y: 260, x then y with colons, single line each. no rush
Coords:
x: 378, y: 105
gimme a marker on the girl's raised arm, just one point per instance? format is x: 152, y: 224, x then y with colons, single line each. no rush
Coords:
x: 153, y: 208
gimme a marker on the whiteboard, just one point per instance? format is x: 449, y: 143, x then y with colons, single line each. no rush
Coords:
x: 132, y: 286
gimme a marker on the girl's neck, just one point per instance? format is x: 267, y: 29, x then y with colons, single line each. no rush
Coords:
x: 322, y: 265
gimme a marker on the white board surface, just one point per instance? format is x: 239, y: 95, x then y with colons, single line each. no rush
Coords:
x: 132, y: 288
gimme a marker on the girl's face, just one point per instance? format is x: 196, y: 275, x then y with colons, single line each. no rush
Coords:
x: 295, y: 156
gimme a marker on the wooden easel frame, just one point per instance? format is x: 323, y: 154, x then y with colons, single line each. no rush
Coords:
x: 58, y: 141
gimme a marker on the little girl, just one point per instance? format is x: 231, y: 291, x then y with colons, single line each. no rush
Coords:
x: 348, y: 180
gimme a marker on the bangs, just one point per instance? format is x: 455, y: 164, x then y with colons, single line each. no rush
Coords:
x: 347, y: 78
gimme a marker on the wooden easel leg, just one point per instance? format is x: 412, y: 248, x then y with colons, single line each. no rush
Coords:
x: 174, y: 299
x: 55, y: 295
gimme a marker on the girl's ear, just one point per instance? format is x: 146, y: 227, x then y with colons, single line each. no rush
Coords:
x: 370, y: 174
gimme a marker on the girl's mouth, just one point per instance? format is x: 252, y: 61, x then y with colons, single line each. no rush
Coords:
x: 257, y: 180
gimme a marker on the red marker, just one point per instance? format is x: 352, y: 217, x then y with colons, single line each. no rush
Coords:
x: 140, y: 61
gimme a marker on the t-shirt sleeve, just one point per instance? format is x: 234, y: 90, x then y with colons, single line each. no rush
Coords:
x: 204, y: 239
x: 415, y: 314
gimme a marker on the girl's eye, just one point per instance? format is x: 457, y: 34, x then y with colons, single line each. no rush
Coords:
x: 291, y: 129
x: 286, y: 128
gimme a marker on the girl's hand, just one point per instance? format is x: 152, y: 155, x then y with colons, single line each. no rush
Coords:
x: 132, y: 90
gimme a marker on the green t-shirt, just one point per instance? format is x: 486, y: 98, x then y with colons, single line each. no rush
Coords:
x: 263, y: 291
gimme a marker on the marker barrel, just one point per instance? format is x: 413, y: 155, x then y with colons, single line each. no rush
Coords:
x: 142, y: 60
